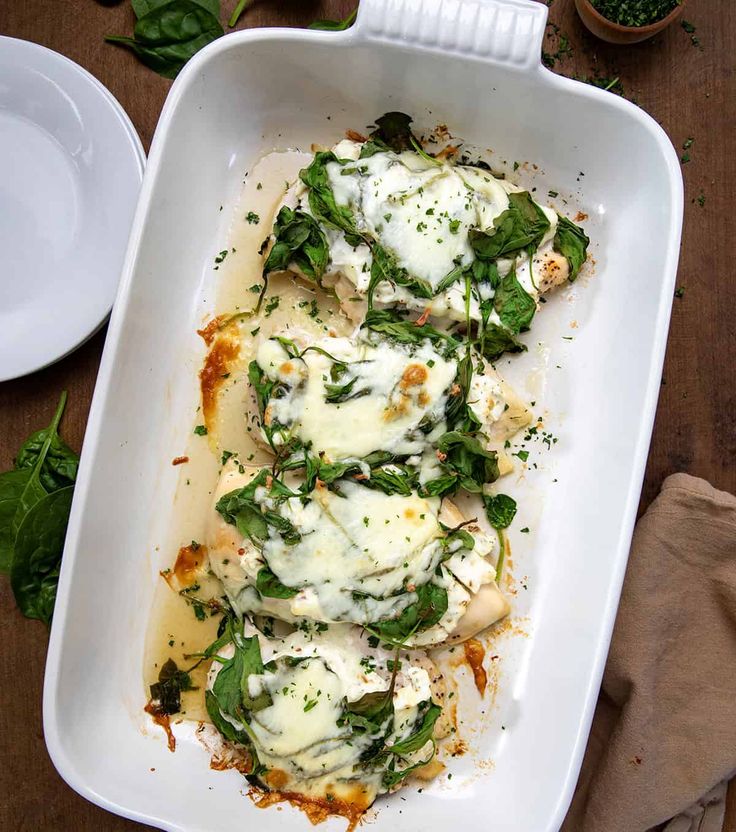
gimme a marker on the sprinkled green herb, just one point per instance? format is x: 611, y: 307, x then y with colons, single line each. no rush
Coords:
x: 680, y: 292
x: 272, y: 305
x: 634, y: 12
x: 221, y: 256
x: 252, y: 217
x: 200, y: 430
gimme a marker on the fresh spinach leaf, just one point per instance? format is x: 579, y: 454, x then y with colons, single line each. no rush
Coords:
x: 167, y: 36
x: 299, y: 240
x: 39, y: 545
x: 334, y: 25
x: 20, y: 490
x: 12, y: 485
x: 500, y: 510
x: 514, y: 305
x: 59, y: 468
x: 522, y: 225
x: 143, y: 7
x: 572, y: 243
x: 271, y: 587
x: 167, y: 691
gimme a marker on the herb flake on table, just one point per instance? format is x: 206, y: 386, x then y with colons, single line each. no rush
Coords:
x: 634, y: 12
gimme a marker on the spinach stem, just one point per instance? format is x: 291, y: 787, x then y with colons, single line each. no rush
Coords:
x: 239, y: 9
x: 501, y: 557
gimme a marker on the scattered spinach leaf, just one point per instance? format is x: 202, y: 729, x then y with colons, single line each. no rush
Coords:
x: 335, y: 25
x: 39, y: 544
x: 168, y: 35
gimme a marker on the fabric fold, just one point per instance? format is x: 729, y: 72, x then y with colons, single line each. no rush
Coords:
x: 663, y: 742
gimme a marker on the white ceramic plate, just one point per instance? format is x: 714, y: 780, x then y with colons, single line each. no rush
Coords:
x: 71, y: 166
x: 476, y: 67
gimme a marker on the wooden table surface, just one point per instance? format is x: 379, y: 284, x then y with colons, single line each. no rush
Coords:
x: 690, y: 89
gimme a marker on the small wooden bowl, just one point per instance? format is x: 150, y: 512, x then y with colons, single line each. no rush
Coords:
x: 612, y: 32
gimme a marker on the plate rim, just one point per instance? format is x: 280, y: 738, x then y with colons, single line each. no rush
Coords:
x: 28, y: 47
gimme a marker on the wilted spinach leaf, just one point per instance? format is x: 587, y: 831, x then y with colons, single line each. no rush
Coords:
x: 426, y: 611
x: 423, y: 734
x: 572, y: 243
x: 167, y: 691
x: 322, y: 200
x: 520, y: 226
x: 390, y: 323
x: 394, y: 131
x: 514, y: 305
x: 271, y: 587
x: 496, y: 340
x: 299, y: 240
x: 466, y: 464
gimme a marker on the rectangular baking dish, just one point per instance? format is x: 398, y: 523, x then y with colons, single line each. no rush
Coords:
x: 474, y: 66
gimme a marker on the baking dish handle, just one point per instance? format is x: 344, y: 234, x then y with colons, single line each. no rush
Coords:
x: 507, y: 32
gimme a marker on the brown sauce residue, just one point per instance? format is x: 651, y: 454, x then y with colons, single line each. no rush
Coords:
x: 189, y: 561
x: 164, y: 721
x: 317, y: 809
x: 413, y: 376
x: 179, y: 460
x: 223, y: 352
x: 209, y: 332
x: 475, y: 652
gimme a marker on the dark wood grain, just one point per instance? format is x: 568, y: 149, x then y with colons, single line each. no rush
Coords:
x: 690, y: 90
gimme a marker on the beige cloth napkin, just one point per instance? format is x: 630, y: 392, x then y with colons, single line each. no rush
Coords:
x: 663, y: 741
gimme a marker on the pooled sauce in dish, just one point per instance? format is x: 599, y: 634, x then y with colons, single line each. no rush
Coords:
x: 341, y: 515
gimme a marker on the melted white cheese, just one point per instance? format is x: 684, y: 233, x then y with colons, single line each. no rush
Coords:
x: 422, y: 211
x: 300, y: 734
x: 359, y: 557
x: 394, y: 389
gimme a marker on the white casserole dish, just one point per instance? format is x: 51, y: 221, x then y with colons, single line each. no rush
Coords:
x: 475, y: 66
